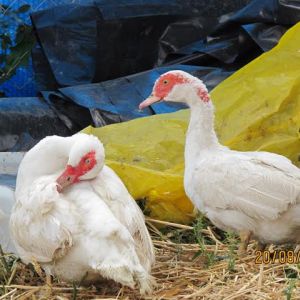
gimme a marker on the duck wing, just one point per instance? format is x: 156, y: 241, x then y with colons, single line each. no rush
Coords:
x: 261, y: 186
x: 112, y: 190
x: 37, y: 230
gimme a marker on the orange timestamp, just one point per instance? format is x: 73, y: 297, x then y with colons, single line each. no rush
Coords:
x: 277, y: 256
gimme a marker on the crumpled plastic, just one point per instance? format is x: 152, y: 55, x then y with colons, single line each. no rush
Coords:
x: 85, y: 43
x: 257, y: 108
x: 25, y: 121
x: 117, y: 100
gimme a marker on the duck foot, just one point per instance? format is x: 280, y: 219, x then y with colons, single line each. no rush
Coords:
x: 245, y: 237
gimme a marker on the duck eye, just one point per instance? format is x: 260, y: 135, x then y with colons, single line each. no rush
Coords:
x: 165, y: 81
x: 87, y: 161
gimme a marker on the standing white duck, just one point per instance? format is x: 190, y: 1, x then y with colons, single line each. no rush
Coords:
x: 254, y: 193
x: 75, y: 217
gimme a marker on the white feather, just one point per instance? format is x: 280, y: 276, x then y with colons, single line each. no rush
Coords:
x: 112, y: 190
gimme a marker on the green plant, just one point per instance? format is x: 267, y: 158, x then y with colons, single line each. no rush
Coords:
x: 200, y: 224
x: 8, y: 265
x: 232, y: 242
x: 74, y: 291
x: 15, y: 48
x: 291, y: 273
x: 289, y: 290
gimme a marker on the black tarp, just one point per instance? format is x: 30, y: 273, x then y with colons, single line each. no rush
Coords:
x: 95, y: 62
x: 103, y: 40
x: 240, y: 37
x: 106, y: 39
x: 25, y: 121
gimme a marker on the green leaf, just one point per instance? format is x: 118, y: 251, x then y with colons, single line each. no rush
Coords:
x: 22, y: 9
x: 19, y: 54
x: 197, y: 254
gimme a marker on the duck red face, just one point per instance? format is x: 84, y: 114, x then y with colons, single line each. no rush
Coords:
x: 72, y: 174
x: 163, y: 86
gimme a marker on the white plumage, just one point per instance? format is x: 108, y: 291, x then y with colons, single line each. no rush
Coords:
x: 92, y: 227
x: 257, y: 193
x: 6, y: 204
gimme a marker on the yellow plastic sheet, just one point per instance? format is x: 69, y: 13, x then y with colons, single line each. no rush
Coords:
x: 257, y: 108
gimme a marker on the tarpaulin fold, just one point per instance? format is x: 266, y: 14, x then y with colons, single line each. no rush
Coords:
x: 241, y: 36
x: 117, y: 100
x: 25, y: 121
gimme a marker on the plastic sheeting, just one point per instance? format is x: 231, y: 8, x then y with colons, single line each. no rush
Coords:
x: 25, y: 121
x: 98, y: 41
x: 80, y: 44
x: 117, y: 100
x: 241, y: 36
x: 257, y: 108
x: 64, y: 61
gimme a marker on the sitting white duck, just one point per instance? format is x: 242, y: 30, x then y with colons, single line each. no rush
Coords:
x: 76, y: 218
x: 6, y: 204
x: 254, y: 193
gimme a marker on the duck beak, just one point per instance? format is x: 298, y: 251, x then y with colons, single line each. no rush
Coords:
x: 150, y: 100
x: 63, y: 181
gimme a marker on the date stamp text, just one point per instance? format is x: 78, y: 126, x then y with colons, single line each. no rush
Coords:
x: 277, y: 256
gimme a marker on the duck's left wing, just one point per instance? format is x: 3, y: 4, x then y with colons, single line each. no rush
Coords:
x: 257, y: 186
x: 112, y: 190
x: 274, y: 160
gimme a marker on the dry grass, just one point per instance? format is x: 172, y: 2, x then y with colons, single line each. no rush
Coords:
x: 192, y: 263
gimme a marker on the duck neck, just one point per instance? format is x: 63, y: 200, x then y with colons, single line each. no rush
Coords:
x: 48, y: 157
x: 200, y: 135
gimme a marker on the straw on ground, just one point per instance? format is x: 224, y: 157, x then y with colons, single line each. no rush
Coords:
x: 193, y: 262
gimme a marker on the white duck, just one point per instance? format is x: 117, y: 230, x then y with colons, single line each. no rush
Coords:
x: 6, y: 204
x: 254, y: 193
x: 75, y: 217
